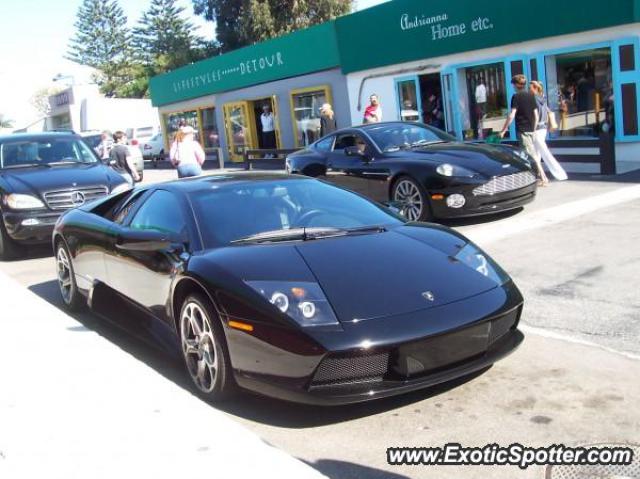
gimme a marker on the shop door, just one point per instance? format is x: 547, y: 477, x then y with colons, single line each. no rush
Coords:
x: 447, y: 102
x: 626, y: 90
x: 239, y: 130
x: 408, y: 98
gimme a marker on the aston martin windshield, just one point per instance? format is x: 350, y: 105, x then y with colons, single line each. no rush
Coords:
x: 44, y: 152
x: 285, y: 210
x: 397, y: 136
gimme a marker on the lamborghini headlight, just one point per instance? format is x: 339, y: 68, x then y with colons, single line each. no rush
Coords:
x: 478, y: 260
x: 304, y: 302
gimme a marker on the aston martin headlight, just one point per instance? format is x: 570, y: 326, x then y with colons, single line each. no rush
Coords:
x: 121, y: 188
x: 22, y: 202
x: 447, y: 169
x: 304, y: 302
x: 481, y: 262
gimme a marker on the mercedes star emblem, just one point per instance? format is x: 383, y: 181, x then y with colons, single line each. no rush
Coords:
x: 77, y: 198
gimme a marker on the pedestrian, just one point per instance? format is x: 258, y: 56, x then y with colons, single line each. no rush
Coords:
x: 373, y: 112
x: 121, y: 158
x: 327, y: 120
x: 104, y: 147
x: 186, y: 153
x: 268, y: 130
x: 546, y: 122
x: 524, y: 110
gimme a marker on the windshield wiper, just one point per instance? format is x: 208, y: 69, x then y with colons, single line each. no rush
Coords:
x: 418, y: 143
x: 294, y: 234
x: 25, y: 165
x: 306, y: 234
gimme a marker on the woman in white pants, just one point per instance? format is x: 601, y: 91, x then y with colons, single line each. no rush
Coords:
x: 540, y: 136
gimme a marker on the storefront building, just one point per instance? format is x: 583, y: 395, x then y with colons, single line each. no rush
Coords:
x: 450, y: 64
x: 224, y: 97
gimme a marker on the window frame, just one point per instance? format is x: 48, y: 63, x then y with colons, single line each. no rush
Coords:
x: 326, y: 88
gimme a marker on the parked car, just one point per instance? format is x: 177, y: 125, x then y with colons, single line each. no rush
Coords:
x: 41, y: 176
x: 153, y: 148
x: 289, y: 286
x: 426, y: 172
x: 141, y: 133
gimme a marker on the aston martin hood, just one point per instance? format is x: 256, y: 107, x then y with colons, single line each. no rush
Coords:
x: 487, y: 160
x: 384, y: 274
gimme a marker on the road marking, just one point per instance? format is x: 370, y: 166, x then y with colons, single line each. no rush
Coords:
x: 539, y: 219
x: 571, y: 339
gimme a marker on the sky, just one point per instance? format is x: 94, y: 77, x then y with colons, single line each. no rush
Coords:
x: 35, y: 36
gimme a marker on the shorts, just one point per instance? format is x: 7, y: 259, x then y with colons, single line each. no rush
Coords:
x: 527, y: 143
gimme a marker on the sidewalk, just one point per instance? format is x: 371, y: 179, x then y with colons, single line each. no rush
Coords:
x: 73, y: 405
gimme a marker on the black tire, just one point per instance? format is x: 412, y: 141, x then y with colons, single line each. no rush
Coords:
x: 71, y: 296
x: 401, y: 186
x: 9, y: 249
x: 218, y: 387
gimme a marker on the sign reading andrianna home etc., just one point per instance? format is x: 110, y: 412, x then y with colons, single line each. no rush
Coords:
x: 298, y: 53
x: 406, y: 30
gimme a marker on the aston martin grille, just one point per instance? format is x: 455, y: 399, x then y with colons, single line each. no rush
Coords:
x: 73, y: 197
x: 500, y: 184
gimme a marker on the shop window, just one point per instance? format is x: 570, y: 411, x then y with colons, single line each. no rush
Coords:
x: 210, y: 128
x: 172, y: 122
x: 305, y: 109
x: 483, y: 100
x: 580, y: 90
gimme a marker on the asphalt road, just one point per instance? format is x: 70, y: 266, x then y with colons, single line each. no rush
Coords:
x: 579, y: 276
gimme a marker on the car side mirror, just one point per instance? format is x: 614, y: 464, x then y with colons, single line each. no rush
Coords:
x: 357, y: 152
x: 150, y: 240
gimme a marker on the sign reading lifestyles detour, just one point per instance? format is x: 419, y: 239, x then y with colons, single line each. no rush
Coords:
x: 408, y: 30
x: 305, y: 51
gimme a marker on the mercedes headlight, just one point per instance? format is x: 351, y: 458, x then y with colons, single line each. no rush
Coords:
x: 478, y: 260
x: 447, y: 169
x: 304, y: 302
x: 22, y: 202
x: 121, y: 188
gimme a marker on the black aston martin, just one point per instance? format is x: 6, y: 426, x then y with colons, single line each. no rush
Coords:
x: 426, y: 172
x: 290, y: 286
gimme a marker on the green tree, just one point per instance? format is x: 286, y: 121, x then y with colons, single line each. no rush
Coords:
x: 245, y: 22
x: 163, y: 39
x: 101, y: 41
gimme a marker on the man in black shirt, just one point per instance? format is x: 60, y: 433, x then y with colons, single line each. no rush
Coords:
x: 524, y: 110
x: 121, y: 158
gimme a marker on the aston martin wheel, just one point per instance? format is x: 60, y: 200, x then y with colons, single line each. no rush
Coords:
x: 412, y: 199
x: 66, y: 278
x: 204, y: 349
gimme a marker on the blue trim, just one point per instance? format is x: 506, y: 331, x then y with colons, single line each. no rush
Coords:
x: 620, y: 78
x: 416, y: 81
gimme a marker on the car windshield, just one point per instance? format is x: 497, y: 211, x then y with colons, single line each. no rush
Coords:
x: 44, y: 152
x: 93, y: 140
x: 396, y: 136
x: 285, y: 210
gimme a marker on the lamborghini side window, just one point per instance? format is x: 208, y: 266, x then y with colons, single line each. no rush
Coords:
x: 160, y: 212
x: 121, y: 211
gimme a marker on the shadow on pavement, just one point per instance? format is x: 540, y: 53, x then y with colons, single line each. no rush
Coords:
x: 347, y: 470
x: 245, y: 404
